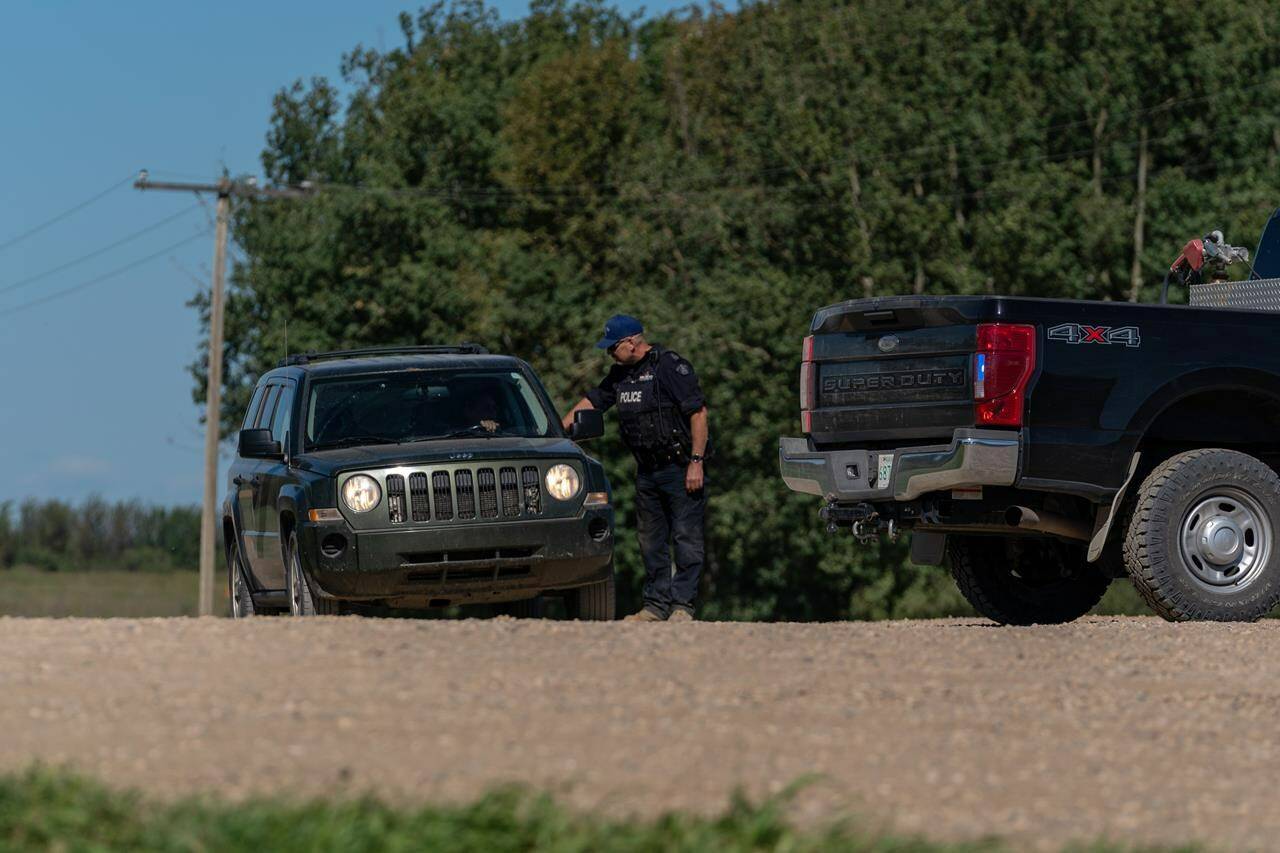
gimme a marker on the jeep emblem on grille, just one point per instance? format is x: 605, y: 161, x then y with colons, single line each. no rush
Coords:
x: 456, y: 457
x: 888, y: 343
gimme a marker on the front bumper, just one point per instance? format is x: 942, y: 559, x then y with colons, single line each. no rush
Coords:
x: 975, y: 457
x: 465, y: 563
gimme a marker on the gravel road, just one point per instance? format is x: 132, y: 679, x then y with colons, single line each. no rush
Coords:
x: 1131, y: 729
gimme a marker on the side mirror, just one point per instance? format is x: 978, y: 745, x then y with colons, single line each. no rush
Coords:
x: 587, y: 423
x: 258, y: 444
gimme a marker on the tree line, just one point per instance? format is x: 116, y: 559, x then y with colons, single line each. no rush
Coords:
x: 721, y: 174
x: 96, y: 534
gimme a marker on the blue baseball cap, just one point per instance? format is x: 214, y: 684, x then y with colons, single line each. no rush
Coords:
x: 619, y: 326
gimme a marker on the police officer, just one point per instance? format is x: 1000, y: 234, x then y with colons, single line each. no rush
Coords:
x: 663, y: 420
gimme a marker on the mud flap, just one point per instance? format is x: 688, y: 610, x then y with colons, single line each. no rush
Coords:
x: 1107, y: 514
x: 928, y: 549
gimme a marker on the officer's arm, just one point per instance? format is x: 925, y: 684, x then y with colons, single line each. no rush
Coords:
x: 584, y: 403
x: 693, y: 476
x: 601, y: 397
x: 698, y: 431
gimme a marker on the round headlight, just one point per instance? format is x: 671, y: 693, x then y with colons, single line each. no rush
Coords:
x: 562, y: 482
x: 361, y: 493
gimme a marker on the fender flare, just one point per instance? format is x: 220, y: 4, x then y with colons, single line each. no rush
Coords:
x: 1239, y: 378
x: 292, y: 499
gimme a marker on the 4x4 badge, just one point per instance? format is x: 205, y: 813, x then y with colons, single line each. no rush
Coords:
x: 1077, y: 333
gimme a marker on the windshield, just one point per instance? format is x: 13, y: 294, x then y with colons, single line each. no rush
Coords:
x: 423, y: 405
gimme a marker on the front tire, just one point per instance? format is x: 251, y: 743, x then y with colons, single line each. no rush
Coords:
x: 1201, y: 540
x: 595, y: 602
x: 1018, y: 580
x: 301, y: 600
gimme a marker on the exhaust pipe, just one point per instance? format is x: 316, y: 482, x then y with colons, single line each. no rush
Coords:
x: 1027, y: 518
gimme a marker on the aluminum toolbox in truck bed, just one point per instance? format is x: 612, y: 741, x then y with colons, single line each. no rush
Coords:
x: 1260, y: 294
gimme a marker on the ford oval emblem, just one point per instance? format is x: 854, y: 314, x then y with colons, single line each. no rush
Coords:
x: 888, y: 343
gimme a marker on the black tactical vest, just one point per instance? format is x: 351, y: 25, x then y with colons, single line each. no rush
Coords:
x: 652, y: 425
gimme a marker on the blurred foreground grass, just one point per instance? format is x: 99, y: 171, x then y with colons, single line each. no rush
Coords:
x: 27, y: 591
x: 49, y: 810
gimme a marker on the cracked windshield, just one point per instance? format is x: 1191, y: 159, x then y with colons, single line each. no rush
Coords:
x: 423, y: 406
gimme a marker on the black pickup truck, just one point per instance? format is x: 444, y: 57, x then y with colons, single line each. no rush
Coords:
x: 1044, y: 447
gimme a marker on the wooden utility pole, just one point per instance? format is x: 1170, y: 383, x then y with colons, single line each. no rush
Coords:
x: 224, y: 189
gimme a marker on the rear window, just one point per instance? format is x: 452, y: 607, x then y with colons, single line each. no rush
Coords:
x: 268, y: 407
x: 422, y: 406
x: 254, y: 404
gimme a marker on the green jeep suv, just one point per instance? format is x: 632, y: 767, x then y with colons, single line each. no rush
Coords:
x: 414, y: 477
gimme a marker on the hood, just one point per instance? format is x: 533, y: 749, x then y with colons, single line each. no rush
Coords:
x: 332, y: 462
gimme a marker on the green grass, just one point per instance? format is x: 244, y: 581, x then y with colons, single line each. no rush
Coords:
x: 49, y: 810
x: 1121, y: 599
x: 26, y: 591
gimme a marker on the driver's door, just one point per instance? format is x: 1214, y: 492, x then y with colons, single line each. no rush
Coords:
x: 249, y: 484
x: 243, y: 489
x: 273, y: 474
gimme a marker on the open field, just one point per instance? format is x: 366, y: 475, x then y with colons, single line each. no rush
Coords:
x: 1130, y: 729
x: 35, y: 592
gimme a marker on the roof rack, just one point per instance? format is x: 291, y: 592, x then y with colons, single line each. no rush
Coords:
x: 454, y: 349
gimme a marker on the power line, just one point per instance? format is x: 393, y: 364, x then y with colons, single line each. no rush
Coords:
x: 30, y: 232
x: 84, y: 285
x: 23, y: 282
x: 1189, y: 169
x: 190, y: 175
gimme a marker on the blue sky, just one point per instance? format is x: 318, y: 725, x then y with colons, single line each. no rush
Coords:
x: 97, y: 395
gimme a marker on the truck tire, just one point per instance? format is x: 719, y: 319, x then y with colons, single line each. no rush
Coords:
x: 301, y: 600
x: 595, y: 602
x: 1200, y: 542
x: 1025, y: 580
x: 239, y: 598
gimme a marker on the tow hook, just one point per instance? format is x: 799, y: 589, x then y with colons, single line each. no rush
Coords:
x: 863, y: 519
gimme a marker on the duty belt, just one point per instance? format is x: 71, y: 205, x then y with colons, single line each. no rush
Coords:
x: 657, y: 457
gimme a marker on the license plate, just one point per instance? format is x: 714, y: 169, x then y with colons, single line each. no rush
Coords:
x: 884, y: 470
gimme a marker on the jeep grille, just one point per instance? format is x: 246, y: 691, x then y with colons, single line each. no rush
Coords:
x: 465, y: 494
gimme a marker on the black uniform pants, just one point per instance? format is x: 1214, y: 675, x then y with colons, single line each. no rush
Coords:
x: 666, y: 512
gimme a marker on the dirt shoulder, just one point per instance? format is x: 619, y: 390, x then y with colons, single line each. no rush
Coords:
x: 1129, y: 728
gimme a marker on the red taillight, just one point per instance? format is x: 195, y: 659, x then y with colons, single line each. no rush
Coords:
x: 808, y: 370
x: 1002, y: 367
x: 808, y: 383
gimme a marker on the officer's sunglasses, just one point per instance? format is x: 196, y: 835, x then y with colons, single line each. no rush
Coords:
x: 614, y: 348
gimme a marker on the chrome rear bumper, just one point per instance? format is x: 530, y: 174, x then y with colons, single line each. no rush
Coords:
x: 974, y: 457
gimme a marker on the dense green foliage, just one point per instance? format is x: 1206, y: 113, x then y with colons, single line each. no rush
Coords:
x: 44, y: 810
x: 723, y: 174
x: 96, y: 535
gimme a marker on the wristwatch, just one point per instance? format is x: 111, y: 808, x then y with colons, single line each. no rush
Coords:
x: 696, y: 457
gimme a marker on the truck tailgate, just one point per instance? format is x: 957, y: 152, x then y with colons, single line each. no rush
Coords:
x: 881, y: 374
